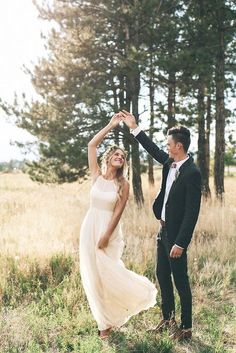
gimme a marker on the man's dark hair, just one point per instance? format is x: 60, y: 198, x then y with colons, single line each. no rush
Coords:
x: 180, y: 134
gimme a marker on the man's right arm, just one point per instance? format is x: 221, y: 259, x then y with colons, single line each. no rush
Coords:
x: 158, y: 154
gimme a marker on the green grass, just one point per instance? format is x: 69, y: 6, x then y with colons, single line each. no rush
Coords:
x: 44, y: 309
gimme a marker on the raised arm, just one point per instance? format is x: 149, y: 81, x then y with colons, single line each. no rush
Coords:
x: 96, y: 140
x: 158, y: 154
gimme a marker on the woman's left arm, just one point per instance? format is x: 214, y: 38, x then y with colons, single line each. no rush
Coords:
x: 118, y: 210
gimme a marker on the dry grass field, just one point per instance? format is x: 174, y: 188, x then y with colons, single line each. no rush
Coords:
x: 43, y: 308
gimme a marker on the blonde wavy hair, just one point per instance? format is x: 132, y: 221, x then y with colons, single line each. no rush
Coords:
x: 121, y: 172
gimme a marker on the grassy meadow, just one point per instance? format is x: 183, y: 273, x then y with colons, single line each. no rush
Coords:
x: 43, y: 306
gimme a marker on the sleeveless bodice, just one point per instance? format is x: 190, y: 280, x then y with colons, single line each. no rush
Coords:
x: 103, y: 194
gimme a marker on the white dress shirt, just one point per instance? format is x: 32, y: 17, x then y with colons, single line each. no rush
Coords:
x: 136, y: 131
x: 172, y: 175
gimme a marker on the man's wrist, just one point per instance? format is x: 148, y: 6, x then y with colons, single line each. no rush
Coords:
x: 180, y: 247
x: 135, y: 131
x: 134, y: 126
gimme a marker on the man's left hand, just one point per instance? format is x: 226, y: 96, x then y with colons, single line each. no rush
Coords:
x: 176, y: 252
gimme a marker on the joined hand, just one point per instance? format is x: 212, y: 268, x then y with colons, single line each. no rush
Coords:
x: 129, y: 119
x: 116, y: 119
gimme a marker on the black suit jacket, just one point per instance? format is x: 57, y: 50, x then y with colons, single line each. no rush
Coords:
x: 183, y: 204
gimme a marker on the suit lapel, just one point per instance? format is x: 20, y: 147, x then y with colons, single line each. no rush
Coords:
x: 181, y: 171
x: 166, y: 167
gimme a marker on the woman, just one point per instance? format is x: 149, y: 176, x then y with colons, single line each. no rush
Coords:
x: 114, y: 293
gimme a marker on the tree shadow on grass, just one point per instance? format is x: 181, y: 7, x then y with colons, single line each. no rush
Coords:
x: 196, y: 345
x: 139, y: 343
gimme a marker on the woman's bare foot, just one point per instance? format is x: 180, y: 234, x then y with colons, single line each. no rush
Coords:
x: 105, y: 333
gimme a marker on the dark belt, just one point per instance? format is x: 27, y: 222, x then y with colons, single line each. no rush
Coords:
x: 163, y: 223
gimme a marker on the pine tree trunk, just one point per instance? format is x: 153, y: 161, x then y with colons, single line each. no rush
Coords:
x: 171, y: 100
x: 125, y: 104
x: 203, y: 112
x: 220, y: 114
x: 115, y: 97
x: 207, y: 145
x: 151, y: 125
x: 132, y: 95
x: 202, y: 141
x: 135, y: 158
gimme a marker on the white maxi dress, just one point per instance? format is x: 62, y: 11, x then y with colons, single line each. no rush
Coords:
x: 114, y: 293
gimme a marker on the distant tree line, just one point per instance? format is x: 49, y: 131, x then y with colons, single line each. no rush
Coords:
x: 104, y: 55
x: 12, y: 165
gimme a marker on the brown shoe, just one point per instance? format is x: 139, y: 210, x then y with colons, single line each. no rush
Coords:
x: 164, y: 325
x: 181, y: 335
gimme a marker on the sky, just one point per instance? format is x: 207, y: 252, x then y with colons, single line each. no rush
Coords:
x: 20, y: 44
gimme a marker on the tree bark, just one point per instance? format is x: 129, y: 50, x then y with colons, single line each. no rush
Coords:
x: 124, y: 103
x: 202, y: 140
x: 115, y: 97
x: 203, y: 110
x: 220, y: 112
x: 151, y: 125
x: 132, y: 93
x: 207, y: 145
x: 135, y: 159
x: 171, y: 100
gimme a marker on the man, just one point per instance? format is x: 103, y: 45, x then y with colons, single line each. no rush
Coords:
x: 177, y: 207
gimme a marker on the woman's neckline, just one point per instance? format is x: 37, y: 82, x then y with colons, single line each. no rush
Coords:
x: 107, y: 179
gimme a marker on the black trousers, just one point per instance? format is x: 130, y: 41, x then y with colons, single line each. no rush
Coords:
x: 178, y: 268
